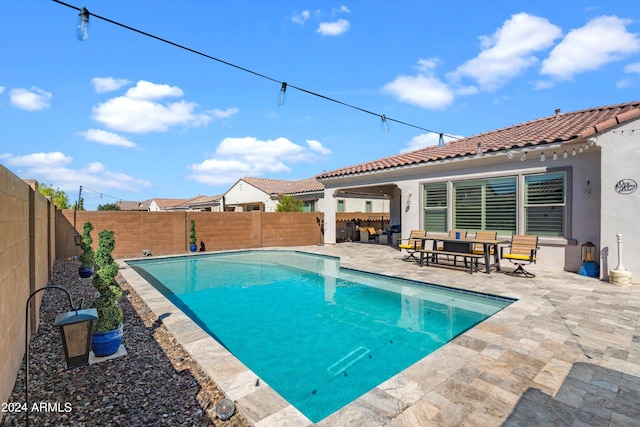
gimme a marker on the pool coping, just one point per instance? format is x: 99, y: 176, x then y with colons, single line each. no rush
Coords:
x: 256, y: 400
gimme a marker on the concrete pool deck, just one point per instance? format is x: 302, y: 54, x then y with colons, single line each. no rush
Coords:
x: 566, y: 353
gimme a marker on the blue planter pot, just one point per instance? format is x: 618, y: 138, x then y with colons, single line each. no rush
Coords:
x: 193, y: 248
x: 85, y: 272
x: 106, y: 343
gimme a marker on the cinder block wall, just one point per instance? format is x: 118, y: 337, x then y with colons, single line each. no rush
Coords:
x: 26, y: 255
x: 167, y: 233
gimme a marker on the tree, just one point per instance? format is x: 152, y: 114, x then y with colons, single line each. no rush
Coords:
x: 78, y: 206
x: 59, y: 197
x: 289, y: 204
x: 109, y: 207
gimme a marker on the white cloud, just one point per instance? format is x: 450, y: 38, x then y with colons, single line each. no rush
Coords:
x: 249, y: 156
x: 30, y: 99
x: 632, y: 68
x: 421, y: 90
x: 424, y: 140
x: 139, y: 112
x: 53, y: 167
x: 341, y: 9
x: 224, y: 114
x: 317, y: 146
x: 544, y: 84
x: 602, y: 40
x: 107, y: 138
x: 333, y: 28
x: 108, y: 84
x: 36, y: 160
x: 509, y: 50
x: 1, y: 89
x: 147, y: 90
x: 624, y: 83
x: 300, y: 18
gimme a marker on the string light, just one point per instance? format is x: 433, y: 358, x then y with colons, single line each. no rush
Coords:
x: 82, y: 30
x: 542, y: 157
x: 283, y: 92
x: 385, y: 126
x: 523, y: 157
x: 565, y: 155
x: 573, y: 152
x: 509, y: 154
x: 555, y: 156
x: 251, y: 71
x: 479, y: 152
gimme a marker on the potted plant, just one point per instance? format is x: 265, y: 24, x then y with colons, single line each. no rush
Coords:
x: 192, y: 237
x: 87, y: 255
x: 107, y: 330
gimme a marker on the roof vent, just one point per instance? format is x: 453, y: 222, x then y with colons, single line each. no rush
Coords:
x: 557, y: 112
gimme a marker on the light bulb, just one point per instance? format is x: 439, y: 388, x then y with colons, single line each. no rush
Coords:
x: 385, y: 126
x: 580, y: 149
x: 573, y: 152
x: 565, y: 155
x: 82, y: 31
x: 509, y: 154
x: 542, y: 157
x: 283, y: 92
x: 523, y: 157
x: 555, y: 156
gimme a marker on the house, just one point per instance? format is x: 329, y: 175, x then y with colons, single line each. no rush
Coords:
x: 263, y: 194
x: 124, y: 205
x: 569, y: 178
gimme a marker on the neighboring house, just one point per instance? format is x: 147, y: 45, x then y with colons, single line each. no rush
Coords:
x: 569, y: 178
x: 206, y: 204
x: 133, y: 206
x: 263, y: 194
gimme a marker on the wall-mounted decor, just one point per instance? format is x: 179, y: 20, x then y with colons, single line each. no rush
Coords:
x: 626, y: 186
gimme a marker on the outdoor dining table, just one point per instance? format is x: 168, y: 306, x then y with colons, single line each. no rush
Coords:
x: 464, y: 245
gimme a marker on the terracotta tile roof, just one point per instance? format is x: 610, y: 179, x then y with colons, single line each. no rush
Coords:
x: 125, y: 205
x: 555, y: 128
x: 309, y: 185
x: 279, y: 186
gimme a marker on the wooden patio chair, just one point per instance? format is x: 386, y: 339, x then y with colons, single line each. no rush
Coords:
x: 414, y: 243
x: 523, y: 252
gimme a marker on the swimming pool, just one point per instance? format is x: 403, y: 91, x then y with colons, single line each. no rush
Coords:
x: 319, y: 335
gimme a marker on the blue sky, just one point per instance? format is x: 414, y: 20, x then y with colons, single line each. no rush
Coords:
x: 132, y: 118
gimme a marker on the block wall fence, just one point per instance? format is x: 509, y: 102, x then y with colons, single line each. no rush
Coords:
x: 27, y: 253
x: 167, y: 233
x: 33, y: 234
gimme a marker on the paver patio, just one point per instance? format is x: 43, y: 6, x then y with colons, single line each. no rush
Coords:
x: 566, y: 353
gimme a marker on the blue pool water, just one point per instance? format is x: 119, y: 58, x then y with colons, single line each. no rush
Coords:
x: 319, y: 335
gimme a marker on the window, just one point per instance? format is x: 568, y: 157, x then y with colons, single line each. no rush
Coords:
x: 309, y: 206
x: 367, y: 206
x: 544, y: 203
x: 340, y: 205
x: 492, y: 204
x: 435, y: 207
x: 486, y: 204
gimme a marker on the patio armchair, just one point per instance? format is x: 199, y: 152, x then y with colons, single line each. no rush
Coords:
x: 414, y: 243
x: 478, y: 248
x: 523, y: 252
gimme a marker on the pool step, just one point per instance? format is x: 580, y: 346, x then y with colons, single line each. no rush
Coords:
x: 341, y: 365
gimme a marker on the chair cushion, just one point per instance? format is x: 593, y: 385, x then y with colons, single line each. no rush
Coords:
x: 519, y: 257
x: 409, y: 246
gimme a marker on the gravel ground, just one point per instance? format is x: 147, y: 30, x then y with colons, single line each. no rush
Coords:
x: 156, y: 383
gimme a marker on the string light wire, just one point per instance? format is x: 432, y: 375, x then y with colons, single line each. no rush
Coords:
x: 288, y: 85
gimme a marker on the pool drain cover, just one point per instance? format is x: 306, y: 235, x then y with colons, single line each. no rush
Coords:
x: 225, y: 409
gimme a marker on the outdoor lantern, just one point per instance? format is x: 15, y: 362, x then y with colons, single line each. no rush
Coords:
x: 588, y: 252
x: 76, y: 328
x: 77, y: 239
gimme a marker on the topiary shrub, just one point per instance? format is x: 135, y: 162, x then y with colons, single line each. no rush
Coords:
x: 109, y: 313
x: 87, y: 255
x: 192, y: 234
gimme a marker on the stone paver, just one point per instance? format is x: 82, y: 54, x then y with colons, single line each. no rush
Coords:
x: 566, y: 353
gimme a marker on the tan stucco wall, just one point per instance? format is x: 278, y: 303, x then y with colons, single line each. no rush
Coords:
x: 25, y: 265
